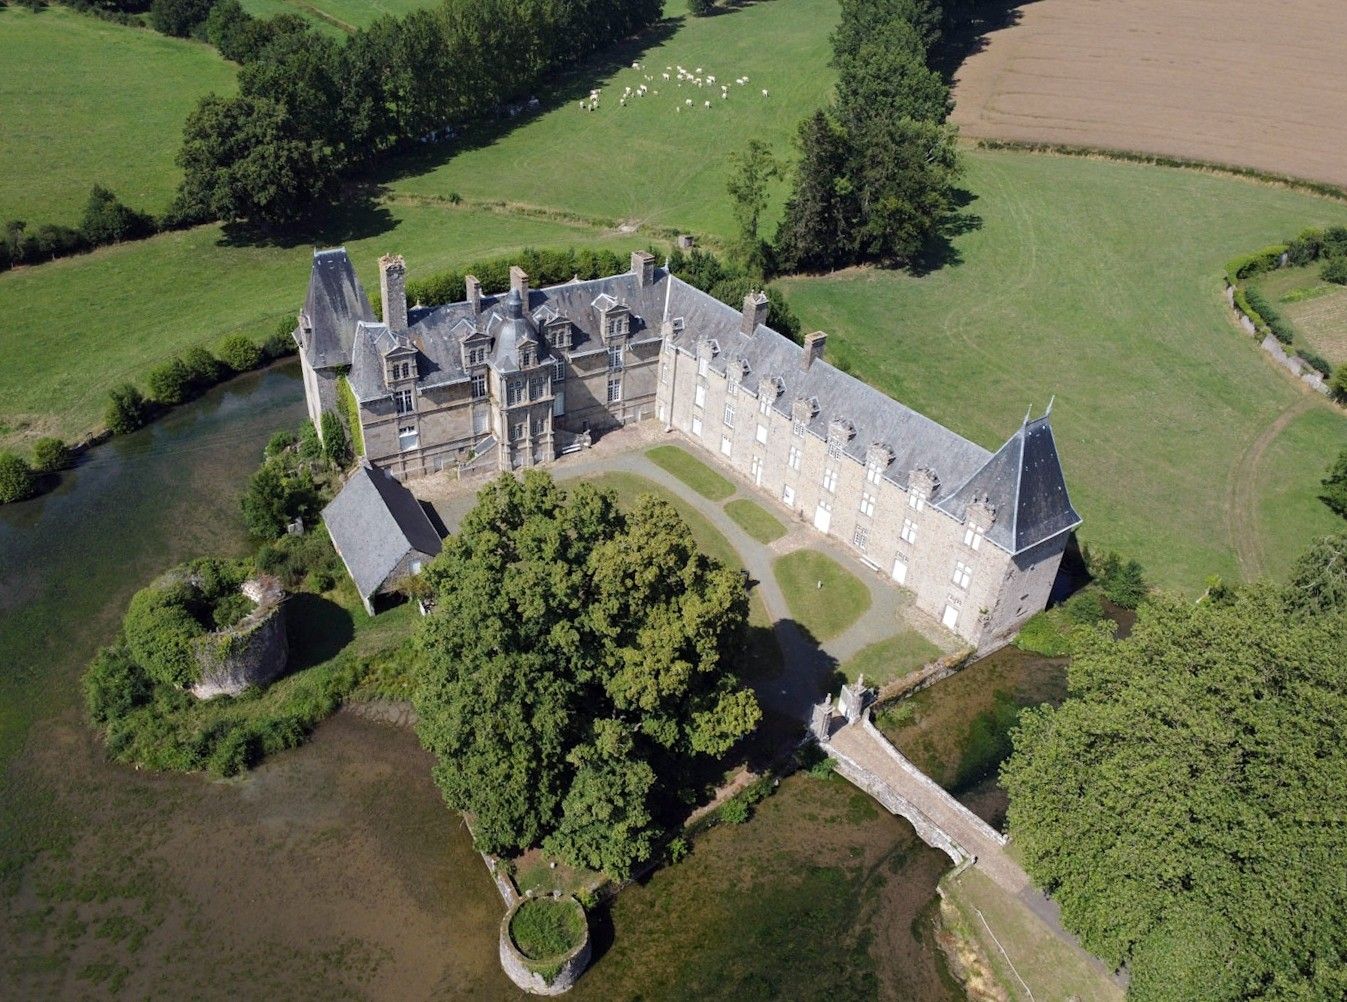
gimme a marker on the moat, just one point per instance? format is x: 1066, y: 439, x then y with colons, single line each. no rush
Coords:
x: 335, y: 869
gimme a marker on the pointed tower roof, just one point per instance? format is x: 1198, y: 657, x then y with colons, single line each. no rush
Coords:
x: 1025, y: 484
x: 336, y: 302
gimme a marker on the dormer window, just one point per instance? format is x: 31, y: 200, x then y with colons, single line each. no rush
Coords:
x: 477, y: 355
x: 401, y: 370
x: 615, y: 352
x: 615, y: 326
x: 526, y: 357
x: 559, y: 334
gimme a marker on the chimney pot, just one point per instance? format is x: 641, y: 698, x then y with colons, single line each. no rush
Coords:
x: 813, y: 348
x: 393, y: 291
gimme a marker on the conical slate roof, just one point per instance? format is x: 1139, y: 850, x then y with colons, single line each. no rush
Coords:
x: 1025, y: 484
x: 335, y: 303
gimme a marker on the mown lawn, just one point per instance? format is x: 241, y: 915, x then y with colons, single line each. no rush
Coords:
x: 892, y: 658
x: 76, y: 327
x: 824, y: 597
x: 1100, y: 283
x: 692, y: 471
x: 755, y: 520
x: 85, y: 102
x: 648, y: 161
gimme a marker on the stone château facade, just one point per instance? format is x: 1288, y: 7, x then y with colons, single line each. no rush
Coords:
x: 513, y: 380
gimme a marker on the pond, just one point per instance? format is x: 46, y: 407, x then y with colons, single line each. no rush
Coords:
x: 335, y: 869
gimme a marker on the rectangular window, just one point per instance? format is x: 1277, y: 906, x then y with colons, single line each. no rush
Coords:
x: 703, y: 364
x: 664, y: 372
x: 476, y: 356
x: 793, y: 458
x: 834, y: 449
x: 872, y: 473
x: 861, y: 538
x: 407, y: 438
x: 963, y: 574
x: 972, y: 537
x: 479, y: 385
x: 725, y: 444
x: 697, y: 426
x: 868, y: 504
x: 614, y: 389
x: 537, y: 387
x: 788, y: 495
x: 830, y: 481
x: 909, y: 532
x: 616, y: 326
x: 539, y: 426
x: 514, y: 393
x: 615, y: 356
x: 404, y: 401
x: 764, y: 403
x: 731, y: 389
x: 518, y: 430
x: 558, y: 371
x: 915, y: 501
x: 762, y: 434
x: 797, y: 429
x: 699, y: 396
x: 729, y: 415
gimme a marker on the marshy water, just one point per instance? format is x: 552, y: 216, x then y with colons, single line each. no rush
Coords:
x: 335, y: 870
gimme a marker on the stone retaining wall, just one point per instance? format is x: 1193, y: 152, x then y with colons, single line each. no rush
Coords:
x: 519, y: 968
x: 927, y: 675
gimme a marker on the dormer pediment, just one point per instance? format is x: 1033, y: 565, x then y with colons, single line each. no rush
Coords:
x: 841, y: 431
x: 804, y: 409
x: 772, y: 387
x: 878, y: 455
x: 924, y: 482
x: 737, y: 370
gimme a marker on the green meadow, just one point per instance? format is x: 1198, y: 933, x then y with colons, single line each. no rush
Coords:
x: 85, y: 102
x: 334, y: 17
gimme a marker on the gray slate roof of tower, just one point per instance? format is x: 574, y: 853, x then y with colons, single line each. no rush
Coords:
x: 374, y: 522
x: 335, y: 303
x: 1024, y: 481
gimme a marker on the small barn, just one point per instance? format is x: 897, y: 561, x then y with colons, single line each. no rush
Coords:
x: 380, y: 531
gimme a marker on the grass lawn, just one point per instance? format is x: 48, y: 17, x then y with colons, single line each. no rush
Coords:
x: 763, y: 657
x: 756, y: 520
x: 1285, y: 511
x: 692, y: 471
x: 1036, y: 958
x: 544, y: 928
x: 334, y: 17
x: 649, y: 162
x: 824, y: 611
x: 890, y: 659
x: 1100, y: 283
x: 87, y: 102
x: 76, y: 327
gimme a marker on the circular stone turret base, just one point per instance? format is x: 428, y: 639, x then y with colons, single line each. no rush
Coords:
x: 522, y: 971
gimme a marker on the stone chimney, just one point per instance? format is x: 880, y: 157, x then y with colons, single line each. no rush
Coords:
x: 813, y: 348
x: 755, y: 312
x: 393, y: 291
x: 519, y: 282
x: 473, y: 290
x: 643, y: 267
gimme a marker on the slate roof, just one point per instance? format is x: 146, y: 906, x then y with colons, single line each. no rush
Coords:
x: 1025, y: 483
x: 374, y: 523
x: 335, y: 303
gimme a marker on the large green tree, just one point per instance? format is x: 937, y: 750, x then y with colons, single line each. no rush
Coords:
x: 1184, y: 805
x: 576, y: 667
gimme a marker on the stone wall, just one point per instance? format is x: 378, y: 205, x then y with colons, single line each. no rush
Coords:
x: 927, y: 675
x: 520, y: 969
x: 254, y: 651
x: 927, y: 830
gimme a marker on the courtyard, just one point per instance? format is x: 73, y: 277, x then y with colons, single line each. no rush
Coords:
x: 816, y: 612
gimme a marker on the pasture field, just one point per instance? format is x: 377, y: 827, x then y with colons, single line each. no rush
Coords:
x: 1100, y: 282
x: 334, y: 17
x: 650, y: 162
x: 1232, y: 81
x: 1315, y: 308
x: 86, y: 102
x: 113, y: 314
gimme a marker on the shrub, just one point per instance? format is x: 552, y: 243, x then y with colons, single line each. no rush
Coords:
x: 275, y: 497
x: 336, y: 446
x: 178, y: 17
x: 1335, y: 486
x: 701, y: 8
x: 203, y: 369
x: 1334, y: 270
x: 240, y: 352
x: 279, y: 442
x: 161, y: 634
x: 1256, y: 264
x: 1316, y: 362
x: 1122, y: 581
x: 1338, y: 385
x: 679, y: 849
x: 1085, y: 607
x: 1281, y: 330
x: 115, y: 685
x: 1045, y: 634
x: 1305, y: 248
x: 17, y: 482
x: 127, y: 409
x: 107, y: 221
x: 734, y: 812
x: 1335, y: 241
x: 171, y: 382
x: 310, y: 447
x: 50, y: 455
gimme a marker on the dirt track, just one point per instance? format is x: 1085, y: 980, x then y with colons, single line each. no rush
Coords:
x: 1233, y: 81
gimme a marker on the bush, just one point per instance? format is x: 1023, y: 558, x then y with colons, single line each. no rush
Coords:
x: 701, y: 8
x: 161, y: 634
x: 1335, y: 241
x: 1264, y: 260
x: 279, y: 442
x: 17, y: 481
x: 1123, y: 582
x: 1334, y: 270
x: 204, y: 370
x: 1316, y: 362
x: 1085, y: 607
x: 107, y: 221
x: 1338, y: 385
x: 1305, y: 248
x: 336, y: 446
x: 50, y: 455
x: 1046, y: 634
x: 1335, y: 486
x: 127, y: 409
x: 1281, y: 330
x: 171, y: 382
x: 275, y: 497
x: 734, y: 812
x: 240, y: 353
x: 679, y: 849
x: 178, y: 17
x: 281, y: 342
x: 115, y: 685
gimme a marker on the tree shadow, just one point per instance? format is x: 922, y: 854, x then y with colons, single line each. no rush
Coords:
x: 940, y: 251
x: 970, y: 35
x: 318, y: 629
x: 357, y: 215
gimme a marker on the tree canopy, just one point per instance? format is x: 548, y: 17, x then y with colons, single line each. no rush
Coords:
x: 576, y: 667
x: 1184, y: 804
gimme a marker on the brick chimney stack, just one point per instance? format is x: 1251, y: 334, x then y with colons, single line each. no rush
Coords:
x: 643, y: 267
x: 393, y: 291
x: 755, y: 312
x: 473, y: 289
x: 813, y: 348
x: 519, y: 281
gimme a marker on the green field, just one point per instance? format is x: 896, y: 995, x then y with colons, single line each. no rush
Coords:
x: 1101, y: 283
x: 334, y: 17
x: 647, y: 163
x: 110, y: 315
x: 85, y: 102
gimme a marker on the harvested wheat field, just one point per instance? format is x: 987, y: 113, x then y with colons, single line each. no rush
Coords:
x: 1241, y: 82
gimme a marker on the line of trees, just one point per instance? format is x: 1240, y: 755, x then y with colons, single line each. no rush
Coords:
x: 106, y: 220
x: 311, y: 109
